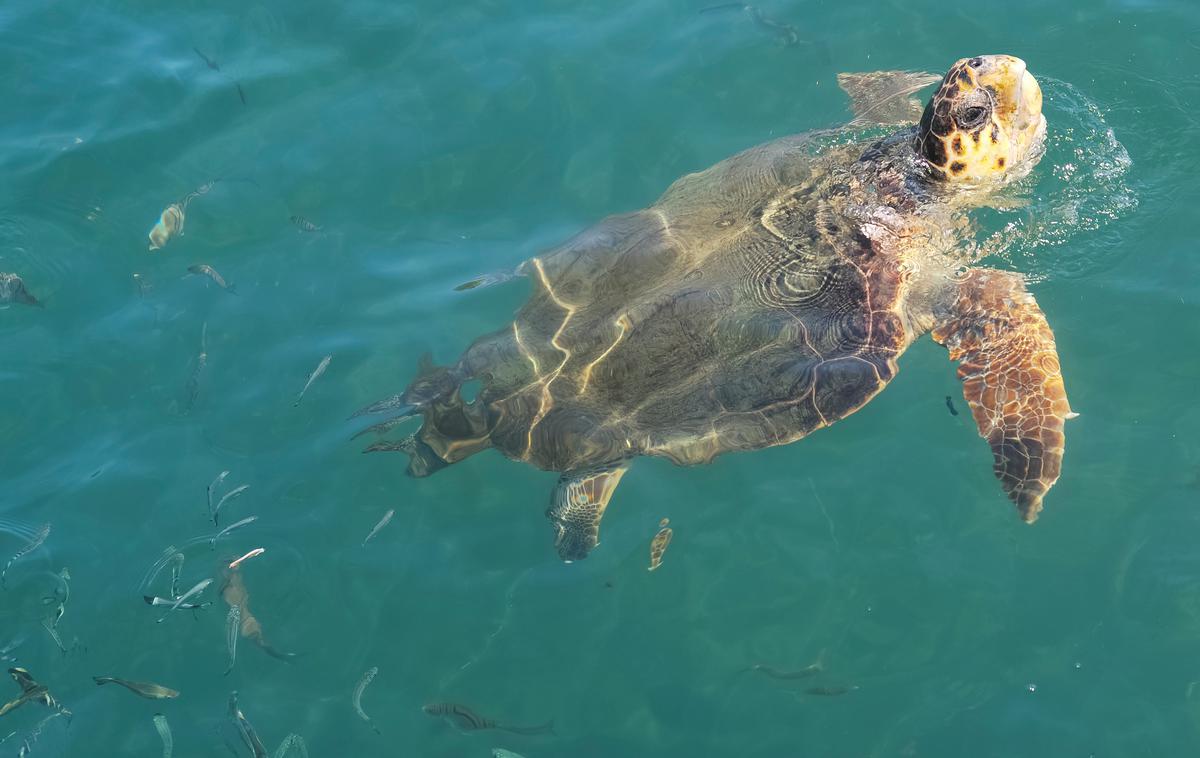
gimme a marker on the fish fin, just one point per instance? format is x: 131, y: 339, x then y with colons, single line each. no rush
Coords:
x: 885, y: 97
x: 577, y: 505
x: 1011, y: 379
x: 547, y: 728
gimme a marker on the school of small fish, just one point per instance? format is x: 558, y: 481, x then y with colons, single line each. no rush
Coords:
x: 240, y: 622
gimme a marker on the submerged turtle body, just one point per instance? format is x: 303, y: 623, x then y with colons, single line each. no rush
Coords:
x: 739, y: 323
x: 762, y: 299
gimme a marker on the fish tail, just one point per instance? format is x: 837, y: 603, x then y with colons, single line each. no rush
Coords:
x: 232, y: 289
x: 276, y: 654
x: 547, y: 728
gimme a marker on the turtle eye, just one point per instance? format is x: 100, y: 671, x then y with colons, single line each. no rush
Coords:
x: 972, y: 116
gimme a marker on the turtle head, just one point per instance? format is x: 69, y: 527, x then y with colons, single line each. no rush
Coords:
x: 984, y: 123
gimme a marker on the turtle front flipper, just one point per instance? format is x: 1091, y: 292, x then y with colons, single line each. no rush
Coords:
x: 577, y: 506
x: 1011, y: 379
x: 886, y: 97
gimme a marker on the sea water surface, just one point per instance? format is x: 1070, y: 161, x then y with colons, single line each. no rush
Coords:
x: 367, y: 156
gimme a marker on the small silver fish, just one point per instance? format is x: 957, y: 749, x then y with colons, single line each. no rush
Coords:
x: 203, y: 269
x: 212, y: 541
x: 356, y: 698
x: 54, y: 635
x: 170, y: 224
x: 305, y: 225
x: 12, y: 290
x: 228, y: 496
x: 320, y: 369
x: 212, y: 488
x: 164, y: 731
x: 233, y: 626
x: 200, y: 587
x: 32, y: 737
x: 168, y: 555
x: 176, y: 569
x: 155, y: 600
x: 34, y: 543
x: 147, y: 690
x: 248, y: 735
x: 193, y: 385
x: 499, y: 752
x: 61, y: 598
x: 382, y: 523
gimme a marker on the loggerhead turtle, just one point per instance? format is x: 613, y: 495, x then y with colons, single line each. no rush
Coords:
x: 765, y: 298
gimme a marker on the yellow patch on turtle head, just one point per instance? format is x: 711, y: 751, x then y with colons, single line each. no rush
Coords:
x: 985, y: 122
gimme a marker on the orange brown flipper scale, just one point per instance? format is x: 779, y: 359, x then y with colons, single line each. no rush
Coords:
x: 1012, y: 381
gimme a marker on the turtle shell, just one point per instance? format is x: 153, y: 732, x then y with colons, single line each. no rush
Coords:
x: 744, y: 309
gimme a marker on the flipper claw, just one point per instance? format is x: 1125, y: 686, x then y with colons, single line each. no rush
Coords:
x: 387, y: 404
x: 387, y: 425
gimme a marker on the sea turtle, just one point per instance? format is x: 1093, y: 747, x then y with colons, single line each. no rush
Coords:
x: 765, y: 298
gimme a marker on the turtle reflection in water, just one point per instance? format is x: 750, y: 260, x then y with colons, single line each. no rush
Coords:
x: 766, y: 298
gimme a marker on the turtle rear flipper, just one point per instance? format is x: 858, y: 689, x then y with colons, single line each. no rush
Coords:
x: 579, y: 501
x: 1012, y: 381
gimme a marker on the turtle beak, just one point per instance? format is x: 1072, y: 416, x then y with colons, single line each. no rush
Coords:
x: 1018, y: 103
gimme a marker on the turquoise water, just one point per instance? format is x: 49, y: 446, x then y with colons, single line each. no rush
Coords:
x: 431, y: 142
